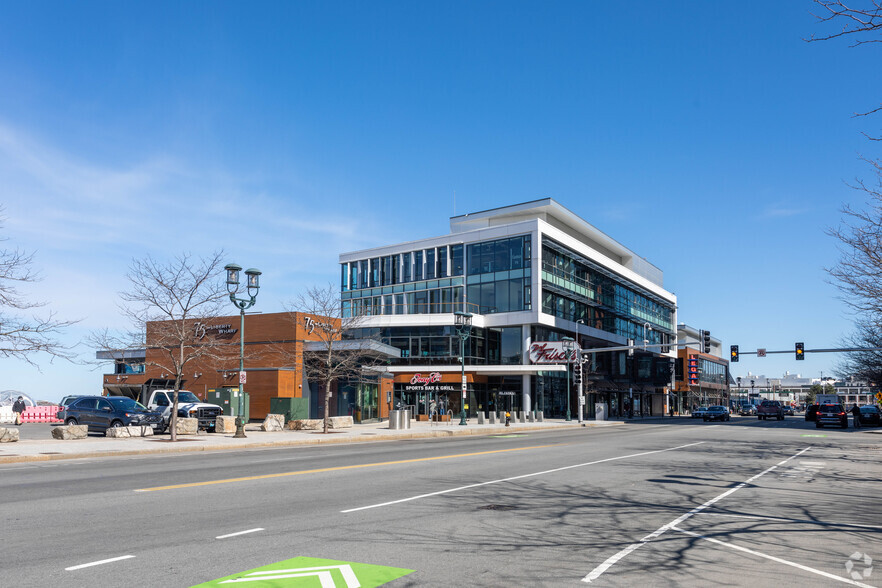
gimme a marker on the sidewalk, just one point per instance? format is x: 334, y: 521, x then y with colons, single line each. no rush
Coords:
x: 35, y: 450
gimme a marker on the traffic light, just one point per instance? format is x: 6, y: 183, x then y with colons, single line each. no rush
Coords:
x: 734, y: 352
x: 577, y: 373
x: 706, y: 337
x: 800, y: 351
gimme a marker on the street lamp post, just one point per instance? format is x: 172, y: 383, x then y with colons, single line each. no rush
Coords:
x: 252, y: 285
x: 739, y: 389
x: 580, y: 402
x: 568, y: 345
x: 463, y: 324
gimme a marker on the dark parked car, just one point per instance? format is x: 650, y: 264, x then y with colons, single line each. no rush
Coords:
x: 811, y: 412
x: 699, y: 412
x: 100, y: 413
x: 747, y: 409
x: 716, y: 413
x: 870, y: 415
x: 831, y: 414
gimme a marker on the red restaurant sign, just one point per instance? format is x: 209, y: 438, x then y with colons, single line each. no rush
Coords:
x: 549, y: 352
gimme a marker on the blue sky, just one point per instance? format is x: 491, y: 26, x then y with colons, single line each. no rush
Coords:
x: 706, y: 136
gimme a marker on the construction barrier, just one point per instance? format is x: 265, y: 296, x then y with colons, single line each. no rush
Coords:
x: 6, y: 416
x: 41, y: 414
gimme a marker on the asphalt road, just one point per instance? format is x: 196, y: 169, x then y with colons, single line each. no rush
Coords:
x: 683, y: 503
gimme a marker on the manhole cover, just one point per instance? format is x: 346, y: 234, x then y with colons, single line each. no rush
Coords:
x: 498, y: 507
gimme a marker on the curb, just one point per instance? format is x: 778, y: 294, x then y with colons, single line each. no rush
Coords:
x: 319, y: 440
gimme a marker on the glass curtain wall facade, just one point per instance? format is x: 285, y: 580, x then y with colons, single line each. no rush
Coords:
x: 578, y: 290
x: 427, y: 281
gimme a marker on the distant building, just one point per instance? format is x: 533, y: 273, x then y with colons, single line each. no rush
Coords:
x: 702, y: 379
x: 792, y: 388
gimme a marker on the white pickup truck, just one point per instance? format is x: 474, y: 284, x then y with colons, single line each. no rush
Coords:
x: 189, y: 406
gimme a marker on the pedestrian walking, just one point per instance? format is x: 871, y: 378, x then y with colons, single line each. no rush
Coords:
x: 857, y: 416
x: 18, y: 407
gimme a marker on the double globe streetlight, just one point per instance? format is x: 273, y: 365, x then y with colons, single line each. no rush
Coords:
x: 252, y: 285
x: 463, y: 324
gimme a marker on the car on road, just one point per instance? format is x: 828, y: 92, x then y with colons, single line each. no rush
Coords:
x: 869, y: 415
x: 831, y: 414
x: 100, y: 413
x: 770, y: 409
x: 811, y: 412
x: 716, y: 413
x: 788, y: 410
x: 699, y: 412
x: 747, y: 409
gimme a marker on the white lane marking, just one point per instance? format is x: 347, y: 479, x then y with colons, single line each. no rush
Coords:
x: 478, y: 485
x: 610, y: 561
x: 773, y: 558
x: 240, y: 533
x: 783, y: 520
x: 98, y: 563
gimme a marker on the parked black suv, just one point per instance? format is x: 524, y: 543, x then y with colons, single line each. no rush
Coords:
x: 100, y: 413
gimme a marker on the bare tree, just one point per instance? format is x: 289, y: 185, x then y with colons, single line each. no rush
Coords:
x: 22, y: 337
x: 861, y: 23
x: 165, y: 304
x: 863, y: 365
x: 339, y: 358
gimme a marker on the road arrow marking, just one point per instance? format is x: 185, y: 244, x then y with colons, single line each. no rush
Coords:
x: 323, y: 574
x: 313, y: 572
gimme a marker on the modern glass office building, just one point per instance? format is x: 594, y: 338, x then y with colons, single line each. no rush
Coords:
x: 532, y: 275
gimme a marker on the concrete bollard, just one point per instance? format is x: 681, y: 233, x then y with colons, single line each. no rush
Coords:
x: 521, y: 417
x: 540, y: 416
x: 480, y: 417
x: 492, y: 416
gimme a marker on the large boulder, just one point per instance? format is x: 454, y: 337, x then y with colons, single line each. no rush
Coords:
x: 273, y: 422
x: 70, y: 432
x: 225, y: 424
x: 306, y: 424
x: 121, y: 432
x: 341, y: 422
x: 188, y: 426
x: 8, y: 435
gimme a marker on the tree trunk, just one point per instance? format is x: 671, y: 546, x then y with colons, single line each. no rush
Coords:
x: 327, y: 404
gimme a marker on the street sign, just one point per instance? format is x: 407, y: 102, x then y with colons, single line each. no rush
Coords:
x: 760, y: 352
x: 307, y: 571
x: 242, y: 377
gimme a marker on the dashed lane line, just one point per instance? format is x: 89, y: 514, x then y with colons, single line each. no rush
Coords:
x: 227, y: 536
x: 98, y: 563
x: 521, y: 477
